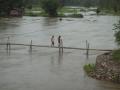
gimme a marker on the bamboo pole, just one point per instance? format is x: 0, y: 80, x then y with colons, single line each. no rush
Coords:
x: 31, y: 45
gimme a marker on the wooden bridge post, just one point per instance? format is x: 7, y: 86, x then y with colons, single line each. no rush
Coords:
x: 31, y: 45
x: 86, y: 44
x: 87, y: 48
x: 8, y: 44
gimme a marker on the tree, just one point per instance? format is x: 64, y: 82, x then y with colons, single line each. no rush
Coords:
x: 50, y: 6
x: 117, y: 32
x: 110, y: 4
x: 98, y: 11
x: 7, y: 5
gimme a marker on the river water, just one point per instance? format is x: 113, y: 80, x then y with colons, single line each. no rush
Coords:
x: 46, y: 68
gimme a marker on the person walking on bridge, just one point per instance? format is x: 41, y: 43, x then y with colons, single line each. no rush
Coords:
x: 60, y: 43
x: 59, y: 40
x: 52, y: 41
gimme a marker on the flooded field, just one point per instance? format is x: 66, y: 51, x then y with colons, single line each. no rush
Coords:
x: 46, y: 68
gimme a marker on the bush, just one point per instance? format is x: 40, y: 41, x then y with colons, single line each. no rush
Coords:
x: 117, y: 31
x: 89, y: 68
x: 50, y: 6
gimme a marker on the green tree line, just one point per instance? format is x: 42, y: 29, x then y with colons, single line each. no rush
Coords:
x: 110, y: 4
x: 7, y: 5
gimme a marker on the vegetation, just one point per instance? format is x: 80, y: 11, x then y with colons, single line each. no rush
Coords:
x: 72, y: 12
x: 110, y: 4
x: 7, y: 5
x: 89, y: 68
x: 116, y: 55
x: 86, y: 3
x: 50, y: 6
x: 117, y: 31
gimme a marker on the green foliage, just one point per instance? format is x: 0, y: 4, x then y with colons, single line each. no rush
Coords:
x: 86, y: 3
x: 67, y: 10
x: 34, y: 14
x: 7, y: 5
x: 76, y: 15
x: 117, y: 31
x: 110, y: 4
x: 89, y: 68
x: 29, y: 7
x: 116, y: 55
x: 50, y: 6
x: 37, y: 11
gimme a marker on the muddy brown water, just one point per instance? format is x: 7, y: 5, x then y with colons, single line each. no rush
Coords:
x: 46, y: 68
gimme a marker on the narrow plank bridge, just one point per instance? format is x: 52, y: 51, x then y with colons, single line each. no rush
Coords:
x: 48, y: 46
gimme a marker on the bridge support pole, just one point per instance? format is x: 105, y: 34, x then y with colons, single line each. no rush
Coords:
x: 87, y: 48
x: 8, y: 46
x: 31, y: 46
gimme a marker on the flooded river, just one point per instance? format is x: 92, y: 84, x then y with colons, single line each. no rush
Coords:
x: 46, y: 68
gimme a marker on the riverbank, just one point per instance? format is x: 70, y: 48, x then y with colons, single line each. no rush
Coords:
x: 42, y: 14
x: 106, y: 68
x: 64, y: 12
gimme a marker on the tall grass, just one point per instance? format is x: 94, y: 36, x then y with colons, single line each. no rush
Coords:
x: 89, y: 68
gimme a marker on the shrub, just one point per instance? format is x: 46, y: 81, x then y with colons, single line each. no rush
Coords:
x: 50, y: 6
x: 89, y: 68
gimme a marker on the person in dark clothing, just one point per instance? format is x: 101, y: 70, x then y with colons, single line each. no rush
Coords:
x: 52, y: 41
x: 59, y: 40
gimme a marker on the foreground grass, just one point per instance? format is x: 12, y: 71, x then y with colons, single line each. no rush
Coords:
x: 89, y: 68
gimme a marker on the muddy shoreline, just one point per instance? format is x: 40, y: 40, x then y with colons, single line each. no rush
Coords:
x: 106, y: 68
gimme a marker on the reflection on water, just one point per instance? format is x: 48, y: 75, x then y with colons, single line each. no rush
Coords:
x: 52, y: 60
x: 60, y: 57
x: 50, y: 21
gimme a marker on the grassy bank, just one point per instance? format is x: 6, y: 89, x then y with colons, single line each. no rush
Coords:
x: 71, y: 12
x: 89, y: 68
x: 107, y: 68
